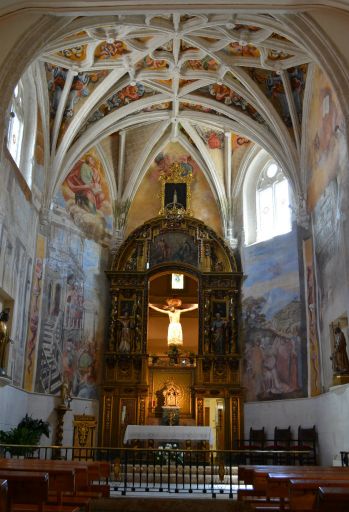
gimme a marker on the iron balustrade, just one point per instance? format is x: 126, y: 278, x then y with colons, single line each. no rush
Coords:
x: 171, y: 470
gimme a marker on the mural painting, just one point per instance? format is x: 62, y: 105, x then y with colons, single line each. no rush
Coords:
x: 272, y: 85
x: 147, y: 203
x: 72, y: 319
x: 328, y: 187
x: 85, y: 195
x: 117, y: 100
x: 76, y: 53
x: 314, y: 352
x: 110, y: 50
x: 327, y: 147
x: 214, y: 139
x: 275, y: 352
x: 173, y: 247
x: 34, y: 315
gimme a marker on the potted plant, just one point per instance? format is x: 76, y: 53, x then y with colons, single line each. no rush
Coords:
x: 27, y: 432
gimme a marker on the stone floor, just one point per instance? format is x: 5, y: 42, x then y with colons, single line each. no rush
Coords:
x: 167, y: 504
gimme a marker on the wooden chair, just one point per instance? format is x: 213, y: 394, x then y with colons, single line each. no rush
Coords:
x: 3, y: 495
x: 307, y: 439
x: 256, y: 442
x: 282, y: 441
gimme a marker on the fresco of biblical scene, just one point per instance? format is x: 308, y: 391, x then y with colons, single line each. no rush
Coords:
x: 147, y: 202
x: 207, y: 64
x: 110, y: 51
x: 83, y: 84
x: 271, y: 84
x: 56, y: 77
x: 275, y: 360
x: 327, y: 150
x: 117, y: 100
x: 72, y: 321
x: 196, y: 107
x: 76, y: 54
x: 149, y: 64
x: 178, y: 247
x: 239, y: 146
x: 237, y: 50
x: 225, y: 95
x: 85, y: 195
x: 214, y: 139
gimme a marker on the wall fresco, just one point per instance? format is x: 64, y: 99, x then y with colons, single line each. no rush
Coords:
x: 85, y: 195
x: 72, y: 314
x: 313, y: 337
x: 34, y: 315
x: 146, y: 203
x: 275, y: 347
x: 326, y: 148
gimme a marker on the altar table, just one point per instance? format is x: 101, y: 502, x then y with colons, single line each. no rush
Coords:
x: 166, y: 433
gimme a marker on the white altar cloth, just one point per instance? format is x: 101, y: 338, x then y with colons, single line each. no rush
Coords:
x: 165, y: 433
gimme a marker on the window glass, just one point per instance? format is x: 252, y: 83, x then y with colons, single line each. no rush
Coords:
x: 272, y: 203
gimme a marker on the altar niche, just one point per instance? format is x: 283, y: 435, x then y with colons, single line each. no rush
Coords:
x: 203, y: 357
x: 165, y: 298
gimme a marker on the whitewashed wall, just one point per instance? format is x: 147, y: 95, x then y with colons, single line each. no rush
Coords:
x: 328, y: 412
x: 15, y: 403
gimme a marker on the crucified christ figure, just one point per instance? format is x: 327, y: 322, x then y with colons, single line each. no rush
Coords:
x: 174, y: 333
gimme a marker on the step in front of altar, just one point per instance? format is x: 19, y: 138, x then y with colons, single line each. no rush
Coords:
x: 177, y: 474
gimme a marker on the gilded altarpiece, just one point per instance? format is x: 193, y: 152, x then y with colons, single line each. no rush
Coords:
x: 133, y: 380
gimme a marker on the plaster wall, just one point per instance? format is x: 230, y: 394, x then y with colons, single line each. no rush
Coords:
x: 41, y: 406
x: 329, y: 412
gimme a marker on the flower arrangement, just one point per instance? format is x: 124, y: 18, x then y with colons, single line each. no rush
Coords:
x: 169, y: 454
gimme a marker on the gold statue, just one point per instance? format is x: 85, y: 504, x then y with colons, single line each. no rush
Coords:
x: 339, y: 357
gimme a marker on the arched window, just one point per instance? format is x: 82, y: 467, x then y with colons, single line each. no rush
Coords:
x: 267, y: 198
x: 22, y: 125
x: 272, y: 203
x: 15, y: 129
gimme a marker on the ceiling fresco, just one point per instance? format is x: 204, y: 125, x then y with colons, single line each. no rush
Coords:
x: 224, y: 74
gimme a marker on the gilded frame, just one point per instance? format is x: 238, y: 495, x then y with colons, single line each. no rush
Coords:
x: 176, y: 174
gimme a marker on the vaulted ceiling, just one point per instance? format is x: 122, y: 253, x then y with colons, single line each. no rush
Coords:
x: 205, y: 81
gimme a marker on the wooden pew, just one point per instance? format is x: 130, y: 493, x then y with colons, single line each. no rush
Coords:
x: 28, y: 491
x: 62, y: 490
x: 271, y: 486
x: 303, y: 493
x: 3, y: 495
x: 334, y: 499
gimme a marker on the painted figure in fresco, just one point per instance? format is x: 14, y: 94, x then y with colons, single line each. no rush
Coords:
x: 340, y: 357
x: 56, y: 85
x: 85, y: 181
x: 125, y: 338
x: 79, y: 88
x: 174, y: 333
x: 4, y: 337
x: 218, y: 329
x: 286, y: 362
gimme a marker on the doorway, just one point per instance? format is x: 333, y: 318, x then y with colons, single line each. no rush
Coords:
x: 214, y: 414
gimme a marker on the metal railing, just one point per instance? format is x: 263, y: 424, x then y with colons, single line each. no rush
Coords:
x: 168, y: 469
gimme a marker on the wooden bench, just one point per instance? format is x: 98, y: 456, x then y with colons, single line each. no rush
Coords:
x: 28, y: 491
x: 334, y: 499
x: 271, y: 487
x: 3, y: 495
x: 303, y: 493
x: 62, y: 489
